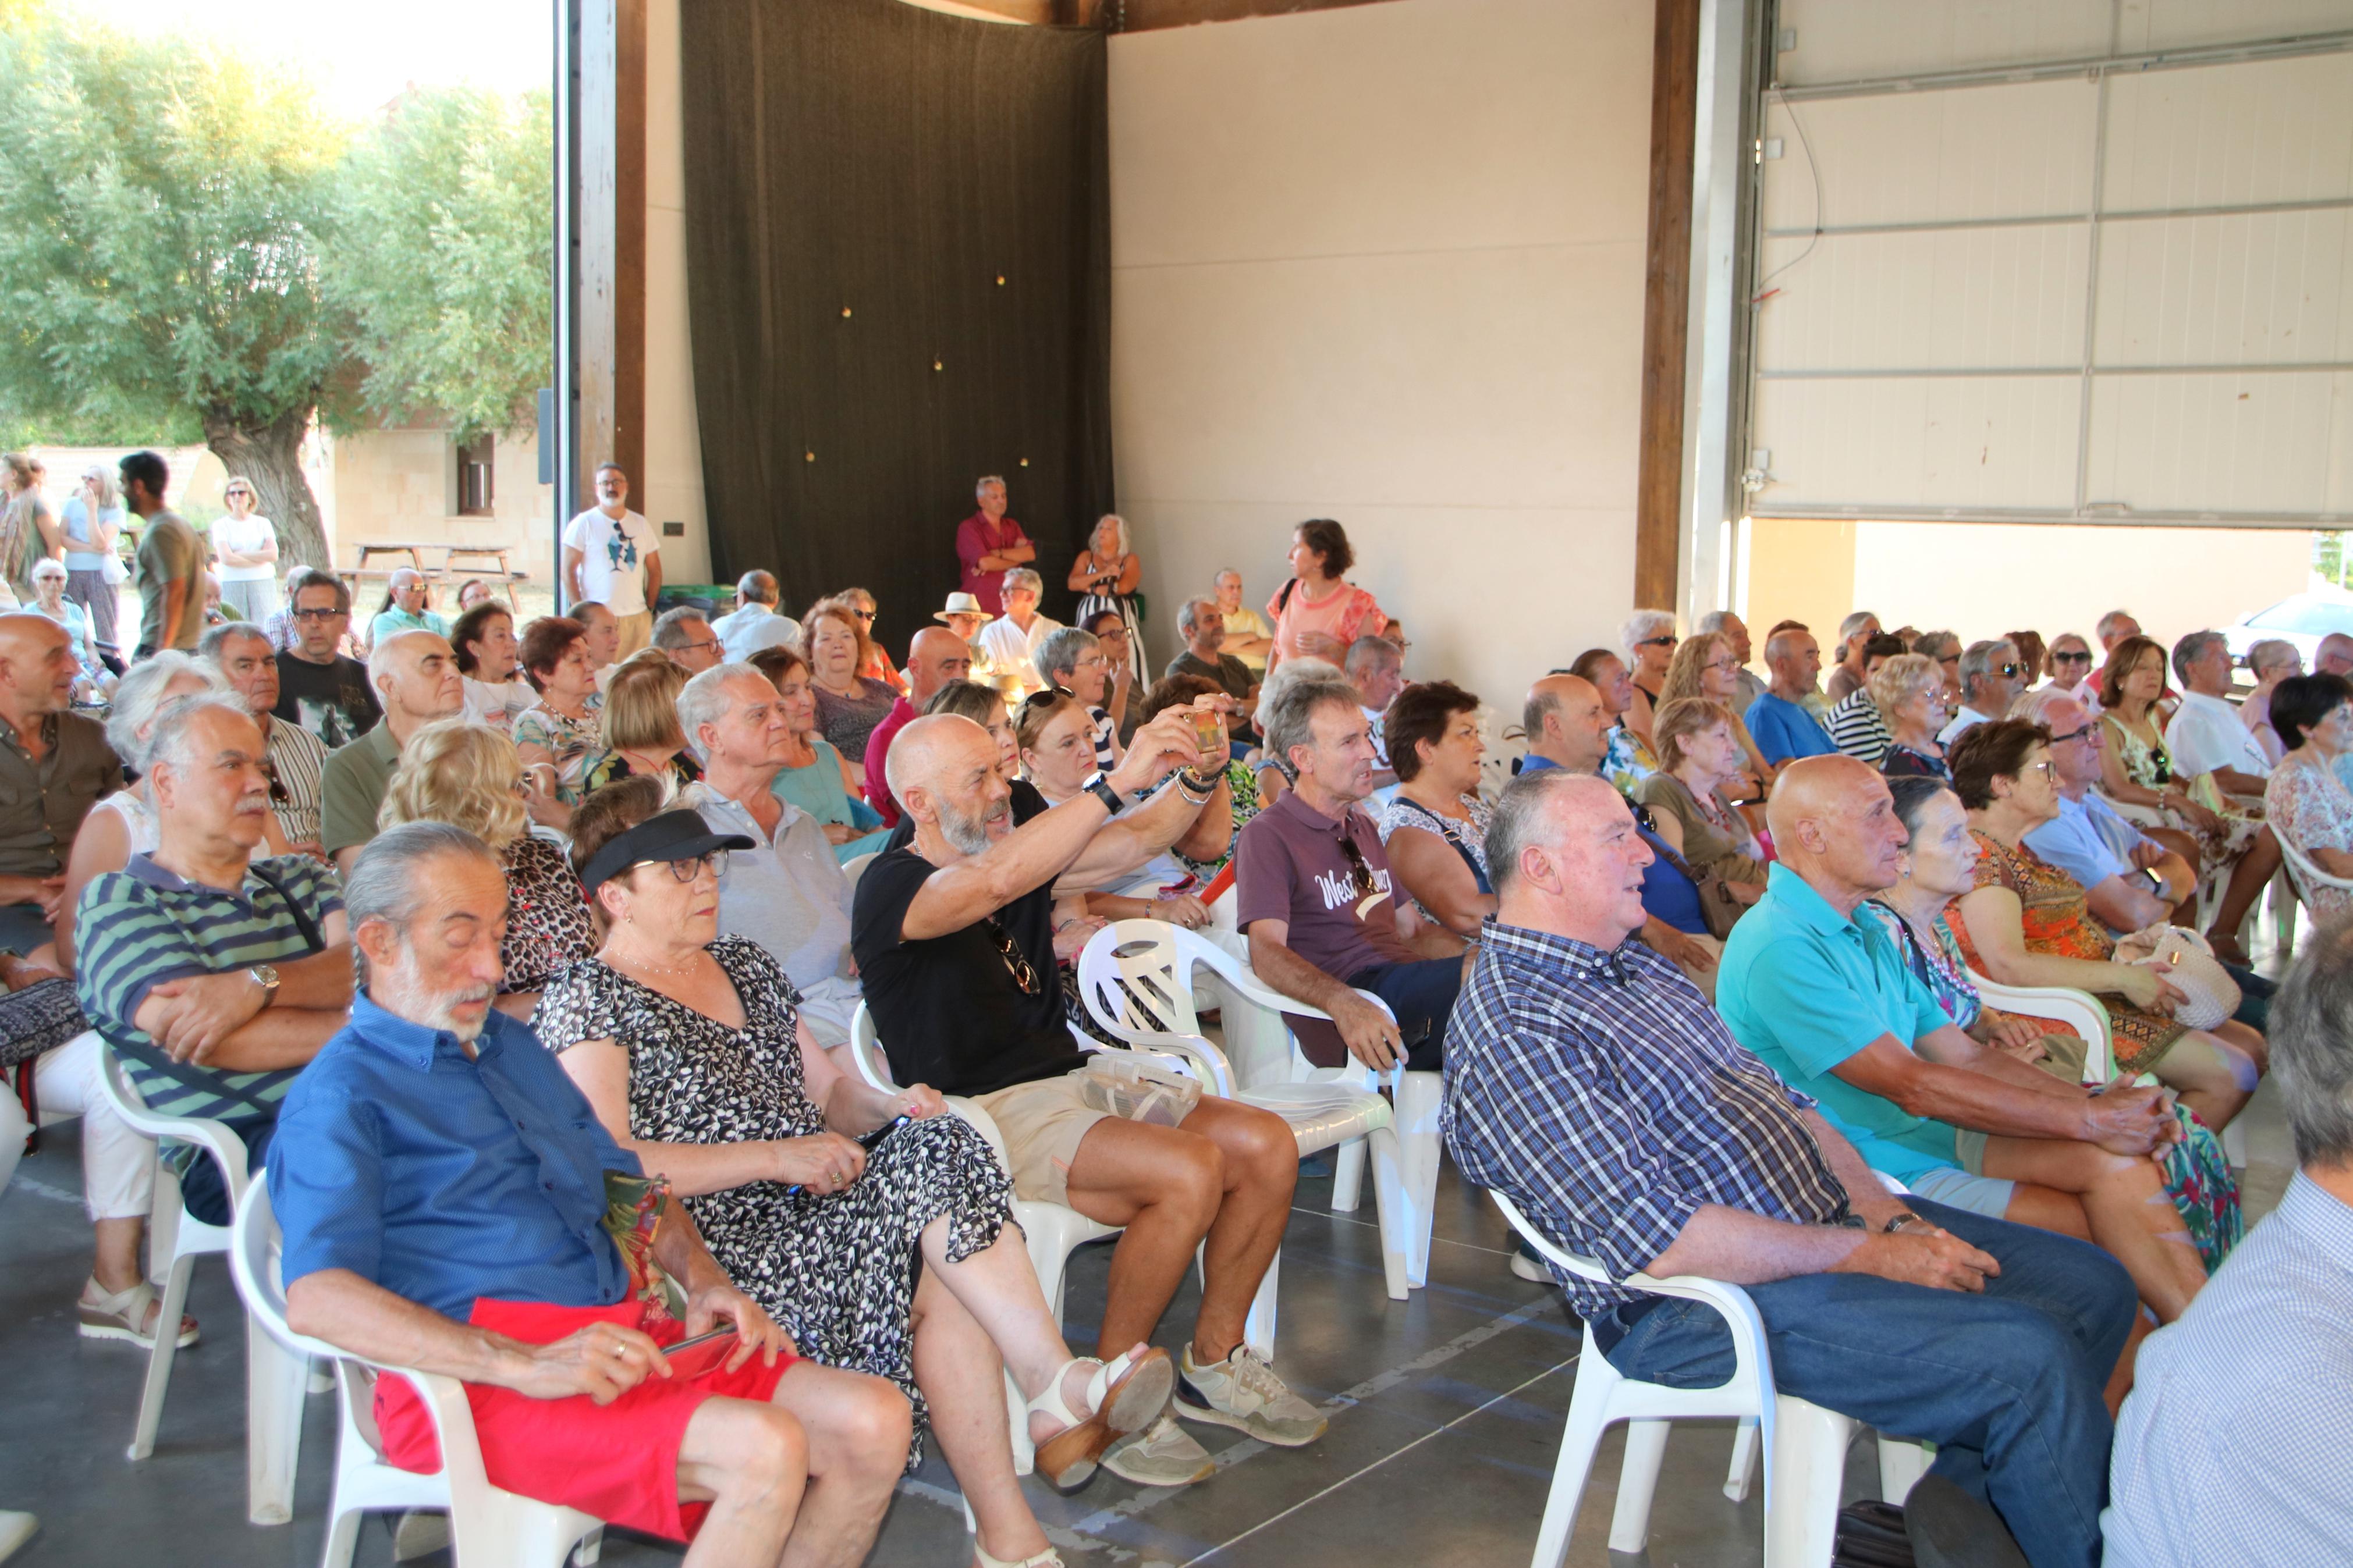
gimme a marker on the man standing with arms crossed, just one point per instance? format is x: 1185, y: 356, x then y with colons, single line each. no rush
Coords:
x: 987, y: 542
x: 610, y: 555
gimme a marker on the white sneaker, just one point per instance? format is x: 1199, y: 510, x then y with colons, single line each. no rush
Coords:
x: 1242, y: 1392
x: 1162, y: 1455
x: 1532, y: 1269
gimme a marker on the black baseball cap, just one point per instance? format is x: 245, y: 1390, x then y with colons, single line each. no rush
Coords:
x: 672, y: 835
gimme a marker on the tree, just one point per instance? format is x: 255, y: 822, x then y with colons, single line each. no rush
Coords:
x: 163, y: 207
x: 443, y: 254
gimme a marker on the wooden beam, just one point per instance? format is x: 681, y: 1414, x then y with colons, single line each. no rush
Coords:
x: 1666, y: 305
x: 1150, y: 16
x: 612, y: 321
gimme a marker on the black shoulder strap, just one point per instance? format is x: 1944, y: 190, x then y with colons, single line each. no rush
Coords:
x: 302, y: 921
x: 1282, y: 600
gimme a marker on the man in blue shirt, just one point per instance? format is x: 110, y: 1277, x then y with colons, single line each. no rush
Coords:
x: 1590, y: 1084
x: 443, y: 1188
x: 1780, y: 721
x: 1829, y: 1002
x: 2133, y: 880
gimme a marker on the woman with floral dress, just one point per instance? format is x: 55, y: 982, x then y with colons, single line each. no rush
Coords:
x: 2304, y: 797
x: 567, y: 722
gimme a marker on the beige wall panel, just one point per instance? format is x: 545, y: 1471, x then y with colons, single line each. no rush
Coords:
x: 2222, y: 442
x: 1955, y: 441
x: 1489, y: 378
x: 2261, y: 288
x: 1799, y: 569
x: 1848, y: 40
x: 2174, y: 24
x: 1947, y: 298
x: 1417, y: 125
x: 2266, y: 131
x: 671, y: 488
x: 2018, y: 150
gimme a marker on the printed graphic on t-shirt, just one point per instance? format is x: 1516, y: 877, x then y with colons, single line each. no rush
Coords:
x: 1339, y: 889
x: 331, y: 722
x: 621, y: 552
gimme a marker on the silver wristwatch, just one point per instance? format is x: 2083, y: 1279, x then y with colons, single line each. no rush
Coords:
x: 266, y: 975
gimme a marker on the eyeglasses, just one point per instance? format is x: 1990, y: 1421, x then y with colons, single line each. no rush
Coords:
x: 319, y: 615
x: 1017, y: 963
x: 2007, y: 669
x: 1658, y: 642
x: 1359, y: 872
x: 2071, y: 657
x: 2093, y: 730
x: 2046, y: 767
x: 688, y: 870
x: 863, y: 615
x: 1724, y: 664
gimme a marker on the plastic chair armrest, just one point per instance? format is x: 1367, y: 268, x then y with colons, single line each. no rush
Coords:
x: 1192, y: 1055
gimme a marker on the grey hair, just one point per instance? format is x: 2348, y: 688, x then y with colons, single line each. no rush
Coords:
x: 388, y: 882
x: 1934, y: 644
x: 139, y: 698
x: 1188, y: 614
x: 1519, y: 819
x: 1059, y: 651
x: 1979, y: 659
x: 1642, y: 625
x: 379, y: 664
x: 1022, y: 577
x: 313, y: 577
x: 1855, y: 621
x: 670, y: 629
x: 1226, y: 571
x: 217, y: 637
x: 2267, y: 651
x: 2035, y: 706
x: 2311, y: 1033
x: 756, y: 587
x: 1373, y: 653
x: 1292, y: 671
x: 1119, y: 527
x: 1285, y: 720
x: 2106, y: 630
x: 1711, y: 622
x: 1896, y: 682
x: 51, y: 565
x: 985, y: 481
x: 169, y: 744
x: 1783, y: 643
x: 2192, y: 649
x: 701, y: 701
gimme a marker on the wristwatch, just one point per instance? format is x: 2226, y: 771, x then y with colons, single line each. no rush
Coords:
x: 266, y: 975
x: 1901, y: 1220
x: 1100, y: 787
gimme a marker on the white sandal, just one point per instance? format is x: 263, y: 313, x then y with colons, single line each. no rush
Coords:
x: 1049, y: 1558
x: 123, y: 1315
x: 1127, y: 1395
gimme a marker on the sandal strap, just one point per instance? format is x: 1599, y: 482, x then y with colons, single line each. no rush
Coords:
x: 120, y: 1303
x: 1051, y: 1402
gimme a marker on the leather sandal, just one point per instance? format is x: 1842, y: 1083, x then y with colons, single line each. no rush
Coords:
x: 1049, y: 1558
x: 123, y: 1315
x: 1125, y: 1396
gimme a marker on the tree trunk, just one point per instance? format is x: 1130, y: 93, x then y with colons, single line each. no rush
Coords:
x: 271, y: 456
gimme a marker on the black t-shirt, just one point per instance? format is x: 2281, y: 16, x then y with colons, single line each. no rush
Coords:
x: 950, y: 1013
x: 330, y: 701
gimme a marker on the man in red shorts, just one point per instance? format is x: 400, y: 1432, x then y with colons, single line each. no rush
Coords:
x: 442, y: 1188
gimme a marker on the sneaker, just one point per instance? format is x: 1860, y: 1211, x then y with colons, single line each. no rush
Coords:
x: 420, y: 1533
x: 1532, y: 1269
x: 1162, y: 1455
x: 1242, y: 1392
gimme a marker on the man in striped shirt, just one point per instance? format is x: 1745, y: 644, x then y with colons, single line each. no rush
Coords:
x: 214, y: 980
x: 1589, y: 1082
x: 294, y: 757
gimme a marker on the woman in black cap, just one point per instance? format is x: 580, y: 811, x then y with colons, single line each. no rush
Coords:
x: 689, y: 1048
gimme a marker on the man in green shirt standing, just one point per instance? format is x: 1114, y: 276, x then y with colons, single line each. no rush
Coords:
x: 171, y: 561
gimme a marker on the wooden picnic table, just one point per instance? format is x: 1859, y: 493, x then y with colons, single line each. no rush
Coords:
x: 497, y: 554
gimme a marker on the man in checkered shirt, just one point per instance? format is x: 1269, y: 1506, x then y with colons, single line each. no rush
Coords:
x: 1589, y: 1082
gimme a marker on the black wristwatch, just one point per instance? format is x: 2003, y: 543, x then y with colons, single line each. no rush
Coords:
x: 1100, y: 788
x: 1901, y: 1220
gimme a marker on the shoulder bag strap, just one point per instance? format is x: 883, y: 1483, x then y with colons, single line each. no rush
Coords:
x: 302, y: 921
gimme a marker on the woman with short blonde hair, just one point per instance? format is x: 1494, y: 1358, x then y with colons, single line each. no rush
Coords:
x: 643, y: 737
x: 471, y: 776
x: 1909, y: 691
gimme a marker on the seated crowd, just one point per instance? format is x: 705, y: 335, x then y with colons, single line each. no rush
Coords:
x: 1721, y: 983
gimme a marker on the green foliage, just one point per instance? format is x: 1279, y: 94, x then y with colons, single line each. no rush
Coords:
x: 162, y: 207
x: 442, y: 258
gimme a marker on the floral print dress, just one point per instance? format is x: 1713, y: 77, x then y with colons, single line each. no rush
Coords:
x: 2310, y: 808
x: 565, y: 739
x: 837, y: 1272
x: 2196, y: 1172
x: 2150, y: 766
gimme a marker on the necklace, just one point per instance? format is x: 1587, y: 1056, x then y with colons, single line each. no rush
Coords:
x: 691, y: 967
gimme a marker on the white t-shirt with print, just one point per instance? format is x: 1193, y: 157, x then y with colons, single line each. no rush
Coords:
x: 612, y: 558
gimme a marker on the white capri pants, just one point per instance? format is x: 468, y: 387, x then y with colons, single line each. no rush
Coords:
x: 117, y: 1164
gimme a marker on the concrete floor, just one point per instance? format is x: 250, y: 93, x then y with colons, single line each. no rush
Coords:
x: 1446, y: 1418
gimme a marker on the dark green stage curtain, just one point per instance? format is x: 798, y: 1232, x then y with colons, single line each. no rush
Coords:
x: 899, y: 276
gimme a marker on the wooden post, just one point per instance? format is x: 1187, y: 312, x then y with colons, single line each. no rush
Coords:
x: 612, y: 322
x: 1666, y: 306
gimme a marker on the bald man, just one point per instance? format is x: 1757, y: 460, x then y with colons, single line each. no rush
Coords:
x: 1782, y: 722
x: 953, y: 930
x: 1830, y: 1003
x: 2333, y: 655
x: 935, y: 656
x: 414, y: 676
x: 1590, y: 1084
x: 54, y: 765
x: 754, y: 623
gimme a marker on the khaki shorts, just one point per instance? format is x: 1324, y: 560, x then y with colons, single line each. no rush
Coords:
x: 1043, y: 1123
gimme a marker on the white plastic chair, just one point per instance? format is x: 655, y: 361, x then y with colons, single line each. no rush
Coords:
x: 2079, y: 1010
x: 855, y: 867
x: 1267, y: 1054
x: 488, y: 1528
x: 1805, y: 1445
x: 2304, y: 874
x: 1129, y: 979
x: 275, y: 1381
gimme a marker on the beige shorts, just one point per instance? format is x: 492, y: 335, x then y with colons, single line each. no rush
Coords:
x: 1043, y: 1124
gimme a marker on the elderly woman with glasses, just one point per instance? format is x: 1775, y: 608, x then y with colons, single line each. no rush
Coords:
x: 2305, y: 799
x: 49, y: 583
x: 871, y: 1225
x: 2026, y: 922
x: 1909, y: 692
x: 1706, y: 666
x: 244, y: 543
x: 874, y: 659
x: 1699, y: 761
x: 2270, y: 661
x: 2067, y: 663
x: 1648, y: 640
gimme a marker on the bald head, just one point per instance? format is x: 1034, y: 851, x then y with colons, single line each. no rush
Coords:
x: 1834, y: 824
x: 942, y: 769
x: 414, y: 675
x: 1566, y: 722
x: 756, y: 588
x: 1796, y: 660
x: 2334, y: 656
x: 37, y: 666
x: 936, y: 656
x: 1567, y: 858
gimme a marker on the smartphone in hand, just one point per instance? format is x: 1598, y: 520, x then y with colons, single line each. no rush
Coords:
x: 700, y: 1353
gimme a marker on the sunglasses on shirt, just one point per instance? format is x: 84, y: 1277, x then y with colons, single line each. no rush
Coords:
x: 1359, y: 873
x: 1017, y: 963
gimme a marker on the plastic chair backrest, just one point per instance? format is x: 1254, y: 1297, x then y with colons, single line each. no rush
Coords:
x: 2302, y: 871
x: 225, y: 1148
x: 253, y: 1264
x: 855, y: 867
x: 1134, y: 978
x: 866, y: 1051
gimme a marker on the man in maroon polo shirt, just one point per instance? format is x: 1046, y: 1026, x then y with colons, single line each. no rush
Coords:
x: 934, y: 658
x: 987, y: 542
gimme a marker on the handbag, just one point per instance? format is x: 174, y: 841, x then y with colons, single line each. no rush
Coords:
x: 1134, y: 1088
x: 2188, y: 963
x: 1717, y: 907
x: 112, y: 570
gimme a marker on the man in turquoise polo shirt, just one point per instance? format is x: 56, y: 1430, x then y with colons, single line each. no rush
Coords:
x: 1828, y: 1003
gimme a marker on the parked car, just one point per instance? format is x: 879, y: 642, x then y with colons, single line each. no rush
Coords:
x: 2300, y: 618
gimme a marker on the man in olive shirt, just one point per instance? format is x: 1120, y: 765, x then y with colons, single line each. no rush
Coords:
x: 415, y: 676
x: 1203, y: 625
x: 171, y: 561
x: 54, y: 764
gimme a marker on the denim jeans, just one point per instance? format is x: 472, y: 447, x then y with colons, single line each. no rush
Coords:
x: 2255, y: 995
x: 2007, y: 1384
